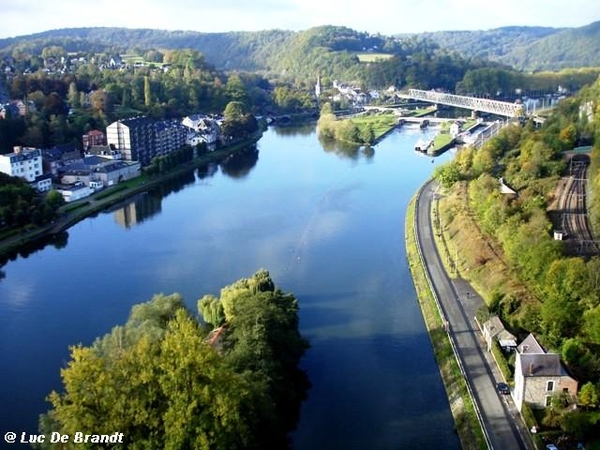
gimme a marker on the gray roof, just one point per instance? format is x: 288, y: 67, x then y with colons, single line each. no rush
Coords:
x: 541, y: 365
x: 530, y: 345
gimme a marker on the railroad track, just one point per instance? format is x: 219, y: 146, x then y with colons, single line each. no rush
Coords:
x: 572, y: 204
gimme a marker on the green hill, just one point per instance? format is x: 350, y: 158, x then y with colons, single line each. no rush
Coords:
x: 528, y: 48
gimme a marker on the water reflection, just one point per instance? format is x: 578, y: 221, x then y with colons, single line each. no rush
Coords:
x: 140, y: 208
x: 58, y: 241
x: 239, y: 165
x: 295, y: 130
x: 346, y: 149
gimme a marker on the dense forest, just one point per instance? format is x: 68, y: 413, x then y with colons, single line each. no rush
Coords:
x: 165, y: 380
x: 527, y: 48
x: 546, y: 291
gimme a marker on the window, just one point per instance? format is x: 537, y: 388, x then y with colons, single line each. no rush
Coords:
x: 550, y: 386
x: 566, y: 390
x: 548, y: 400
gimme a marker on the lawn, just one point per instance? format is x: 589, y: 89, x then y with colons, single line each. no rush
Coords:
x: 381, y: 123
x: 372, y: 57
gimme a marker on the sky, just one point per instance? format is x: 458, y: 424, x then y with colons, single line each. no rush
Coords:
x: 388, y: 17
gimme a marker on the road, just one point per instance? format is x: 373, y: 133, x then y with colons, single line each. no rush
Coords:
x: 459, y: 303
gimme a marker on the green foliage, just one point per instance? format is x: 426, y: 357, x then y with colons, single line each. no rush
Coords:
x: 21, y: 205
x: 588, y: 395
x: 211, y: 309
x: 160, y: 382
x: 238, y: 122
x: 448, y: 174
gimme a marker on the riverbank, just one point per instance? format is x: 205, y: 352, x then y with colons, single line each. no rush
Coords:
x: 461, y: 404
x: 74, y: 212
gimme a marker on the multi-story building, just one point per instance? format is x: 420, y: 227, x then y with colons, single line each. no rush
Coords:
x: 135, y: 138
x: 170, y: 136
x: 23, y: 162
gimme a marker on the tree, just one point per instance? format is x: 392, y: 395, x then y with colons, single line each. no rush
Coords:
x: 211, y: 310
x: 147, y: 91
x: 160, y: 382
x: 54, y: 199
x: 73, y: 95
x: 448, y: 174
x: 588, y: 395
x: 237, y: 121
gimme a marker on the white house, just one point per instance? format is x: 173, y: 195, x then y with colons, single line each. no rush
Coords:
x: 23, y: 162
x: 74, y: 192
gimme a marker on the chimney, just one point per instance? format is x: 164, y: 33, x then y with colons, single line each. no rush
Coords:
x: 17, y: 149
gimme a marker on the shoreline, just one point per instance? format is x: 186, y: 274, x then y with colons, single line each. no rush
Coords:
x: 466, y: 423
x: 84, y: 208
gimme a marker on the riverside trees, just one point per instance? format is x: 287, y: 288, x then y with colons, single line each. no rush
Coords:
x: 160, y: 381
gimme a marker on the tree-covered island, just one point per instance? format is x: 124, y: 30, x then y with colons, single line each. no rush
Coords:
x: 169, y: 379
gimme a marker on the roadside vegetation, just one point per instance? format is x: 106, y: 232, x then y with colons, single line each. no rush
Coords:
x: 503, y: 245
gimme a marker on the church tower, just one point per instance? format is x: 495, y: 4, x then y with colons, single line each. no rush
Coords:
x: 318, y: 88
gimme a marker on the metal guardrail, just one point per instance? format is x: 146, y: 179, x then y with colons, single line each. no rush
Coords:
x: 446, y: 323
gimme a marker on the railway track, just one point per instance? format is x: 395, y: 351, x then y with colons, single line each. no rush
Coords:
x: 572, y: 204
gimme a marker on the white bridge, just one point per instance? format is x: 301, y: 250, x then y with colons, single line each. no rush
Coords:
x: 460, y: 101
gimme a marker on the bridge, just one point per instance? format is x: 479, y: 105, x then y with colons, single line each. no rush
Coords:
x: 460, y: 101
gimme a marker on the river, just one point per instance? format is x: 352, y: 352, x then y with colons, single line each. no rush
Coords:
x: 328, y: 224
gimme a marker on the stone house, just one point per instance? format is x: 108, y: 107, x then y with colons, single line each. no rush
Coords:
x: 539, y: 376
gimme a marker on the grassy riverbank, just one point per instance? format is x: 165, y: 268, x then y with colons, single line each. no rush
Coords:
x: 461, y: 405
x: 74, y: 212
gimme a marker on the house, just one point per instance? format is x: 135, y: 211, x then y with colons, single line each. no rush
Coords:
x: 57, y: 157
x: 103, y: 151
x: 73, y: 192
x: 96, y: 172
x: 492, y: 329
x: 539, y: 376
x: 93, y: 137
x: 455, y: 128
x: 42, y: 183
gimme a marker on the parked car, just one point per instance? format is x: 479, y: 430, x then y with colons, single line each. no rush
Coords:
x: 551, y: 447
x: 503, y: 388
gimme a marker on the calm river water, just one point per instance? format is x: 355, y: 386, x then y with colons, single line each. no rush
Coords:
x: 329, y: 226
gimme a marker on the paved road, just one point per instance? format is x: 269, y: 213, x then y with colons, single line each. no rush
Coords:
x: 459, y: 303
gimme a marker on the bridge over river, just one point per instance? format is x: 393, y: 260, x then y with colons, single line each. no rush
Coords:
x: 496, y: 107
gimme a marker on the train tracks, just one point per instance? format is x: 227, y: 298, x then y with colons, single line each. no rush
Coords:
x: 574, y: 219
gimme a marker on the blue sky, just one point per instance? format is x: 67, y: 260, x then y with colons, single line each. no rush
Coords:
x: 21, y: 17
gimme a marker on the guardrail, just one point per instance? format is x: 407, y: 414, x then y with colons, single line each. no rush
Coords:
x: 446, y: 323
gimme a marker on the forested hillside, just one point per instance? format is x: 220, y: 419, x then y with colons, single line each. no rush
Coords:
x: 530, y: 48
x: 528, y: 278
x: 527, y: 48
